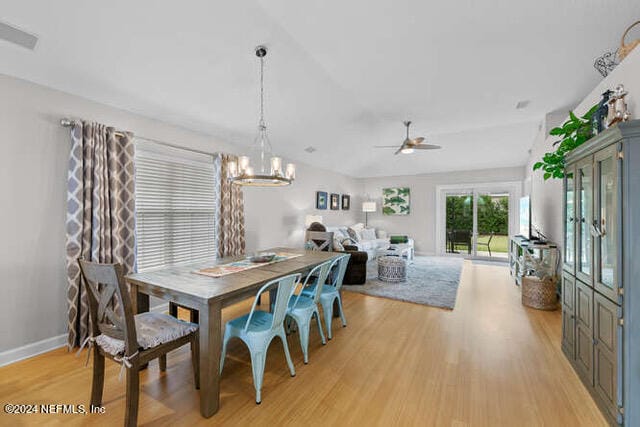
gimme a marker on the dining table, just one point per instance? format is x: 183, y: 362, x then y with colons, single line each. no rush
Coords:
x: 181, y: 284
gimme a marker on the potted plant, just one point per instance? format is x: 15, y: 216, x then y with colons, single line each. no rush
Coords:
x: 573, y: 133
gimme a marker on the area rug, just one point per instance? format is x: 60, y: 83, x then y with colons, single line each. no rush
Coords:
x: 430, y: 281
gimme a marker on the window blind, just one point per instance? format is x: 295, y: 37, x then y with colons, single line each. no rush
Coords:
x: 175, y: 206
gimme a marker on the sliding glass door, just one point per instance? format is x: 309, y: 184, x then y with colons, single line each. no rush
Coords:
x: 459, y: 222
x: 475, y: 222
x: 492, y: 232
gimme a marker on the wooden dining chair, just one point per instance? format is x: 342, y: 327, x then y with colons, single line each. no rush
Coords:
x: 320, y: 240
x: 130, y: 340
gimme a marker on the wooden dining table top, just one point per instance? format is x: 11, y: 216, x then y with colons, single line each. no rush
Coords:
x: 184, y: 280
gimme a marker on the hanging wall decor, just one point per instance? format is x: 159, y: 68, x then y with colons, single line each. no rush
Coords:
x: 321, y: 200
x: 335, y: 202
x: 396, y: 201
x: 605, y: 63
x: 346, y: 202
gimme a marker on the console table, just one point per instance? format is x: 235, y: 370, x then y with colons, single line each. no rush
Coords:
x: 525, y: 254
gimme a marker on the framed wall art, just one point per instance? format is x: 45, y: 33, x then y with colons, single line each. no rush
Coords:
x: 335, y: 202
x: 346, y: 202
x: 396, y: 201
x: 321, y: 200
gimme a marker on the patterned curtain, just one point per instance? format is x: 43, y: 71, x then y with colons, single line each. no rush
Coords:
x: 230, y: 210
x: 100, y: 212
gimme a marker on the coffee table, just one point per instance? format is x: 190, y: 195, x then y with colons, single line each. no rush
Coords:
x: 402, y: 250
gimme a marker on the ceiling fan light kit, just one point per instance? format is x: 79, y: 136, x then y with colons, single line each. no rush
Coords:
x: 269, y: 172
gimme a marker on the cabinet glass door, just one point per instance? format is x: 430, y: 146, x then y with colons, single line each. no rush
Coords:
x: 605, y: 222
x: 569, y: 220
x: 584, y: 186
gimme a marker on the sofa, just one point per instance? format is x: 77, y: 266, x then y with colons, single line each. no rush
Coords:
x: 356, y: 273
x: 367, y: 240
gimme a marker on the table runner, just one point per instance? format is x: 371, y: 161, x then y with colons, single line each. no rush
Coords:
x: 243, y: 265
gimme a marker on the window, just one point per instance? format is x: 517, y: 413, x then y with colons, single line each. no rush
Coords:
x: 175, y: 206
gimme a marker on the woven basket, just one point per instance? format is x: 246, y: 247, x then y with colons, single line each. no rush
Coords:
x: 626, y: 48
x: 539, y: 294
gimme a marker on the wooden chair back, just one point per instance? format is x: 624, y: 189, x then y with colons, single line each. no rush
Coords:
x: 323, y: 240
x: 109, y: 303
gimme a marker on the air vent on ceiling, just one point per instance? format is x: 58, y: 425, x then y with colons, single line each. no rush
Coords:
x: 310, y: 149
x: 16, y: 36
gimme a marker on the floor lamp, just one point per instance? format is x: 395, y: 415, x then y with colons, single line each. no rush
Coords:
x: 366, y: 208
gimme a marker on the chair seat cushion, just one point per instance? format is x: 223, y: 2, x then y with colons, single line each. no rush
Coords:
x: 152, y: 329
x: 260, y: 321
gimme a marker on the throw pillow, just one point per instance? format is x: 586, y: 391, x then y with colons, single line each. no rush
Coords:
x: 353, y: 234
x: 381, y: 234
x: 340, y: 233
x: 368, y: 234
x: 337, y: 246
x: 358, y: 227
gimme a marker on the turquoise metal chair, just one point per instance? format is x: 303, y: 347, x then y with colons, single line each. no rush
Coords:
x: 302, y: 308
x: 258, y: 328
x: 331, y: 292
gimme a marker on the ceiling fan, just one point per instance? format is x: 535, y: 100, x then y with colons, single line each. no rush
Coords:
x: 409, y: 145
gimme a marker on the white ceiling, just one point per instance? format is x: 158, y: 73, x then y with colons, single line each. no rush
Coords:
x: 341, y: 75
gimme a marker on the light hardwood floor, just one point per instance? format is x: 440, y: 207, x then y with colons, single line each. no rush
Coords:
x: 489, y: 362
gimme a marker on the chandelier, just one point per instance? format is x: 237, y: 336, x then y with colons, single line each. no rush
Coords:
x: 268, y: 168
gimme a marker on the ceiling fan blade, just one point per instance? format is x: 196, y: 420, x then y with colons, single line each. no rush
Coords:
x: 399, y: 150
x: 385, y: 146
x: 427, y: 147
x: 418, y: 140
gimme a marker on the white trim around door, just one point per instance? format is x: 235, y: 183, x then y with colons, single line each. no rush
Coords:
x: 513, y: 188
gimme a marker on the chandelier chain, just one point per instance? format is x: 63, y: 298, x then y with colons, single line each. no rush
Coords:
x: 262, y: 124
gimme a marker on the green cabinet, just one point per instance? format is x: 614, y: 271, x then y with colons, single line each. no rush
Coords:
x: 601, y: 271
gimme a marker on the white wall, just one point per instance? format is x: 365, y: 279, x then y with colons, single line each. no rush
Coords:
x: 277, y: 215
x: 546, y: 196
x: 420, y: 224
x: 33, y: 169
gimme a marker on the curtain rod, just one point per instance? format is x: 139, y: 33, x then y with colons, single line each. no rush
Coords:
x: 68, y: 123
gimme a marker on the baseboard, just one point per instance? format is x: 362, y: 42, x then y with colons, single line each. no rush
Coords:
x: 26, y: 351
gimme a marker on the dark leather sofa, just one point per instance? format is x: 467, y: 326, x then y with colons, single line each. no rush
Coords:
x: 356, y: 273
